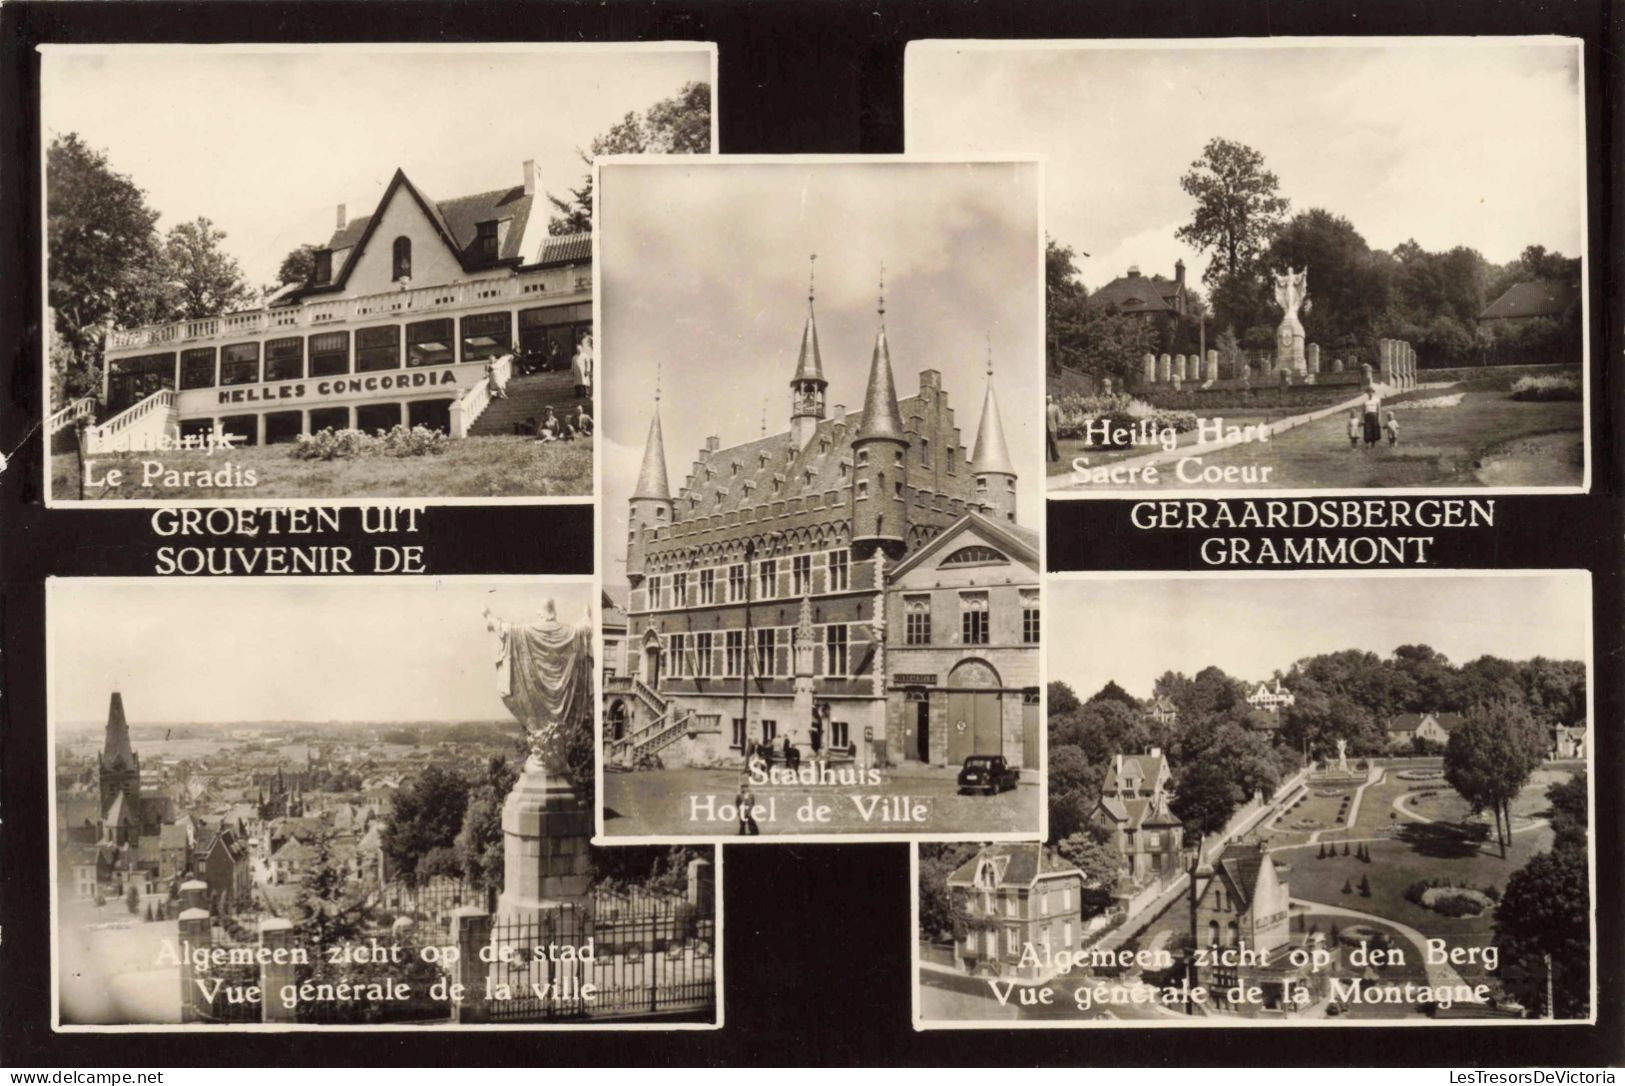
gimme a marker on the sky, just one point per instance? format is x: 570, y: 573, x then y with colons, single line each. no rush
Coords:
x: 1133, y: 630
x: 704, y: 273
x: 229, y: 650
x: 267, y: 143
x: 1450, y: 142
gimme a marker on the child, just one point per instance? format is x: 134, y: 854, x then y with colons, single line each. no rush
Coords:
x: 1393, y: 430
x: 1354, y: 429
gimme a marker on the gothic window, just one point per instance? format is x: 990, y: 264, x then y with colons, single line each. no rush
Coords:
x: 736, y: 582
x: 679, y: 588
x: 402, y: 261
x: 678, y: 653
x: 702, y: 655
x: 708, y: 586
x: 734, y: 653
x: 764, y: 662
x: 767, y: 576
x: 801, y: 574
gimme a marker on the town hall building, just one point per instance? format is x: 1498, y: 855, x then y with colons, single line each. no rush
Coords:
x: 865, y: 570
x: 401, y: 316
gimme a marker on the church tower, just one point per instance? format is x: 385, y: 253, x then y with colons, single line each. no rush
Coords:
x: 651, y: 505
x: 808, y: 385
x: 990, y: 460
x: 880, y: 460
x: 118, y: 770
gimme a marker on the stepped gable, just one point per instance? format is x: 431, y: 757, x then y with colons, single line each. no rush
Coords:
x: 763, y: 458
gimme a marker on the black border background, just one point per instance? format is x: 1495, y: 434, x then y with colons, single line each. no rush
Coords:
x: 817, y: 937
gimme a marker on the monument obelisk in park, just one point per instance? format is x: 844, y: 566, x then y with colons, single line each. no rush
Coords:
x: 1291, y: 293
x: 545, y: 676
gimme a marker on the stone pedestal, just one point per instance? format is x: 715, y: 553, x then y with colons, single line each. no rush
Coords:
x: 1165, y: 369
x: 1289, y: 347
x: 545, y: 829
x: 1180, y: 371
x: 1148, y: 368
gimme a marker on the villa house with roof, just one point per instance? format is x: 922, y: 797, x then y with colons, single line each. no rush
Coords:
x: 1134, y: 802
x: 403, y: 312
x: 1012, y: 897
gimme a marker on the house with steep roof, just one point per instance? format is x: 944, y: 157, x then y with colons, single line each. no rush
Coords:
x: 1015, y: 906
x: 1134, y: 801
x: 1241, y: 932
x: 1162, y: 709
x: 1568, y: 741
x: 1271, y: 697
x: 407, y: 314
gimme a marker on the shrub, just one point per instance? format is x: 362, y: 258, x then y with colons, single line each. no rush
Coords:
x: 1365, y: 885
x: 1455, y: 904
x: 1348, y: 887
x: 1119, y: 410
x: 347, y: 444
x: 1556, y: 387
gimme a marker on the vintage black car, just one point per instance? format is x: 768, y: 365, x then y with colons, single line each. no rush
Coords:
x: 988, y: 773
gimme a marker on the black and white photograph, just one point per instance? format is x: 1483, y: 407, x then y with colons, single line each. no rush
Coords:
x: 1290, y: 799
x: 371, y: 807
x: 821, y: 496
x: 1311, y: 265
x: 343, y: 272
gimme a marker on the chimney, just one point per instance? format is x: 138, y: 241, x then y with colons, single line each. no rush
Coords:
x: 343, y: 219
x: 530, y: 177
x: 1118, y: 761
x: 840, y: 414
x: 712, y: 443
x: 1179, y: 273
x: 1156, y: 752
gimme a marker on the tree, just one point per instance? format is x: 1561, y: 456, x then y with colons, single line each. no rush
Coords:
x: 1237, y: 208
x: 103, y: 265
x: 1074, y: 791
x: 1570, y: 814
x: 679, y: 125
x: 1365, y: 885
x: 204, y: 279
x: 297, y: 267
x: 1101, y: 865
x: 1490, y: 756
x: 1544, y: 917
x: 1062, y: 700
x: 1112, y: 692
x: 329, y: 909
x: 480, y: 839
x: 1206, y: 797
x: 442, y: 860
x: 427, y: 814
x: 937, y: 862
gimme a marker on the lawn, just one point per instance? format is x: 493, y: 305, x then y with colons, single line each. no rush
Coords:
x: 1487, y: 439
x: 1321, y: 808
x: 1487, y: 432
x: 478, y: 467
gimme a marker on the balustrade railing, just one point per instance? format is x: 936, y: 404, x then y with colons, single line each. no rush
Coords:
x: 137, y: 426
x: 84, y: 407
x: 467, y: 409
x: 538, y: 284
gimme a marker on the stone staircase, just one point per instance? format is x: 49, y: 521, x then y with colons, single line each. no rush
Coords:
x: 529, y: 397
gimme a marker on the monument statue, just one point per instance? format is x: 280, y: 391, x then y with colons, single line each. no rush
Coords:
x: 544, y: 673
x: 1342, y: 755
x: 1291, y: 294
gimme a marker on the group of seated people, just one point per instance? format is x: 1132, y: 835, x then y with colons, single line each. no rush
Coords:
x: 553, y: 428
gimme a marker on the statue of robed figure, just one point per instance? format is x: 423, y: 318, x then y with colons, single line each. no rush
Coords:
x: 1292, y: 295
x: 544, y: 672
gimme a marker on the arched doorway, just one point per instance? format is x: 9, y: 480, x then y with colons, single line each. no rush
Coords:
x: 975, y: 711
x: 617, y: 720
x: 917, y: 724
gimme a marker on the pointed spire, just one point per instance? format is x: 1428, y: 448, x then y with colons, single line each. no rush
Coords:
x: 810, y: 365
x: 991, y: 453
x: 652, y: 481
x: 881, y: 418
x: 117, y: 744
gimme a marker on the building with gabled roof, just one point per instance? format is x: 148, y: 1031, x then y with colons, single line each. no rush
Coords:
x: 1405, y: 728
x: 759, y: 588
x: 1271, y: 697
x: 1134, y: 801
x: 404, y: 311
x: 1534, y: 299
x: 1014, y: 907
x: 1137, y: 294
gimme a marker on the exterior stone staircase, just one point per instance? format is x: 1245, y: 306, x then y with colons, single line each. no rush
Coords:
x: 666, y: 726
x: 529, y: 397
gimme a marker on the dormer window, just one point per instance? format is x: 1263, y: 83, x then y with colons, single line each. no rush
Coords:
x: 322, y: 273
x: 402, y: 260
x: 485, y: 240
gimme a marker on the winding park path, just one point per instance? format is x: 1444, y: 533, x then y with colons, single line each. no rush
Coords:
x: 1438, y: 974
